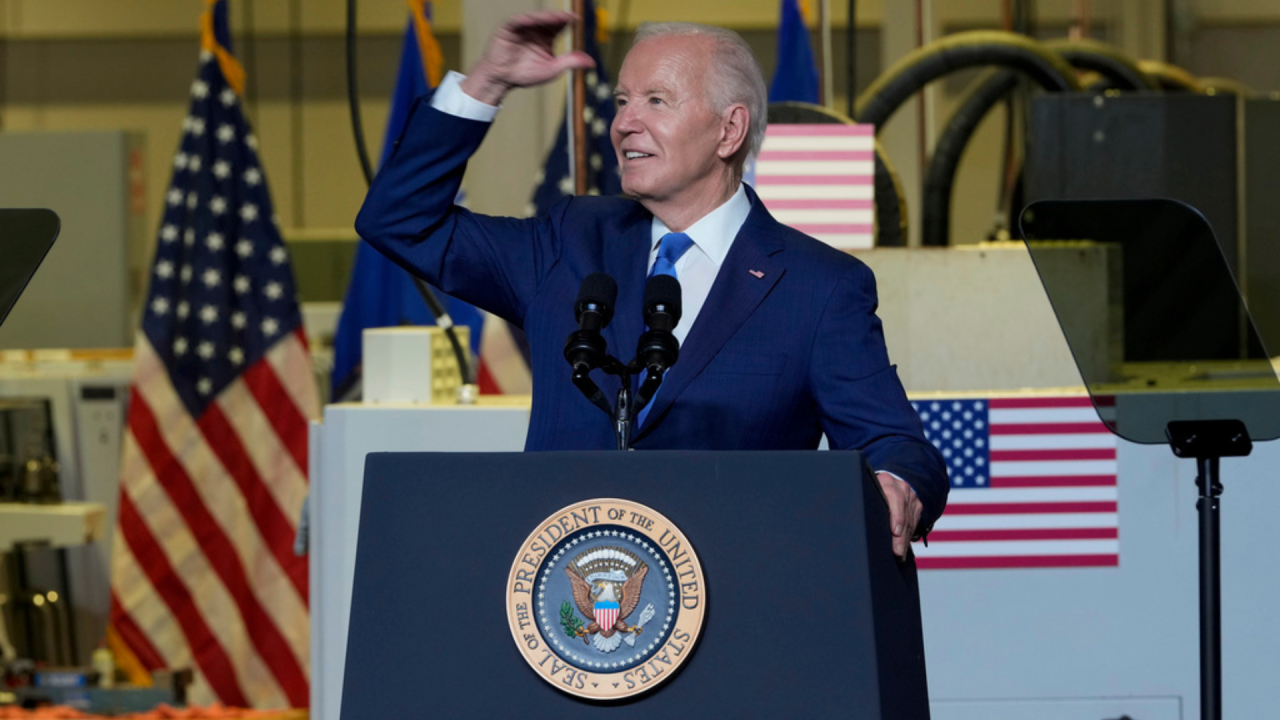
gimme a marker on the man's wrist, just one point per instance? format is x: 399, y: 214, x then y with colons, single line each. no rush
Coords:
x: 481, y: 85
x: 450, y: 98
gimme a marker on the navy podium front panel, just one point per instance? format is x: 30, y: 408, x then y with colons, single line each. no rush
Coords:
x: 808, y: 612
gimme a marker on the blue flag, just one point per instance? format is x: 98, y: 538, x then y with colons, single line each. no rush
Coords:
x: 796, y: 77
x: 598, y: 111
x: 381, y: 294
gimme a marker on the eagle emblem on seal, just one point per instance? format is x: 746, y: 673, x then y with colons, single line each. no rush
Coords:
x: 606, y: 583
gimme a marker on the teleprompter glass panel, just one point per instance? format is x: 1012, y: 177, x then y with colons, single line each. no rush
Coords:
x: 1152, y: 314
x: 25, y: 238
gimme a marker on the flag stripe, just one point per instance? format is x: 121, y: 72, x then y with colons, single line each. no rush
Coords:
x: 1049, y: 442
x: 1060, y: 467
x: 277, y: 532
x: 1041, y: 402
x: 780, y: 204
x: 218, y: 550
x: 289, y: 358
x: 824, y: 228
x: 1025, y: 561
x: 1013, y: 548
x: 1050, y: 455
x: 832, y: 131
x: 209, y: 654
x: 816, y: 155
x: 1014, y: 521
x: 1031, y: 415
x: 774, y: 141
x: 814, y: 192
x: 290, y: 424
x: 826, y: 167
x: 1075, y: 533
x: 792, y: 217
x: 1022, y: 508
x: 133, y: 636
x: 1050, y: 428
x: 765, y: 180
x: 969, y: 496
x: 1054, y: 481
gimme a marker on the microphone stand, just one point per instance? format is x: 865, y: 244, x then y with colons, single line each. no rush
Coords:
x: 622, y: 411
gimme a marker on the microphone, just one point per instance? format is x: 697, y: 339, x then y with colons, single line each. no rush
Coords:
x: 585, y: 348
x: 658, y: 348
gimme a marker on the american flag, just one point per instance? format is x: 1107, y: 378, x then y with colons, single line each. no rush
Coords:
x: 820, y: 180
x: 215, y: 453
x: 1033, y: 484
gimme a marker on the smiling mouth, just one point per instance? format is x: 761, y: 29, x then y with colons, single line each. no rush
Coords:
x: 634, y: 155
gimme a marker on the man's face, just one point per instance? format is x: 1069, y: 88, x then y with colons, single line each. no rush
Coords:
x: 665, y: 133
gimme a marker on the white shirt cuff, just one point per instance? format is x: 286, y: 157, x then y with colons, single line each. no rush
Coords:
x: 452, y: 99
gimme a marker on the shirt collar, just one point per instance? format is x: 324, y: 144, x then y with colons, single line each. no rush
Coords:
x: 715, y: 231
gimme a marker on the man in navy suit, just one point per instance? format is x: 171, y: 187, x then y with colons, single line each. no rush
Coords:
x: 779, y: 341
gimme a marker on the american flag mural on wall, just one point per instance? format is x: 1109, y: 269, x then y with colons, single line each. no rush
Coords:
x: 1033, y: 484
x: 820, y: 180
x: 214, y: 467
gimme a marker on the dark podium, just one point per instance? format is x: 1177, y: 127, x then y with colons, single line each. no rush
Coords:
x: 808, y: 614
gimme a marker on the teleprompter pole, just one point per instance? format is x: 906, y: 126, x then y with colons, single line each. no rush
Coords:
x: 1208, y: 441
x: 1210, y: 588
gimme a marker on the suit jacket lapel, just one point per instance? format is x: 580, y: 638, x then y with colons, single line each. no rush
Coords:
x: 626, y: 259
x: 749, y: 272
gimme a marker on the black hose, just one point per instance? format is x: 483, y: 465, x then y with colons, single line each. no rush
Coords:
x: 957, y: 52
x: 985, y: 93
x: 924, y: 65
x: 353, y: 96
x: 443, y: 321
x: 936, y: 194
x: 1110, y: 63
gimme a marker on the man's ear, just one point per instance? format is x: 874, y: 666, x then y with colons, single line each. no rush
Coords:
x: 735, y: 121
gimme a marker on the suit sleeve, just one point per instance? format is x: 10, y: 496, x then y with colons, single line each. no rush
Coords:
x: 863, y: 404
x: 410, y: 217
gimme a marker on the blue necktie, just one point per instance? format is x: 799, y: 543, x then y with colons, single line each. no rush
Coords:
x: 670, y: 248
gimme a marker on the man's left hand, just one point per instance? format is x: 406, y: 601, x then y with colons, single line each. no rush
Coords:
x: 904, y: 511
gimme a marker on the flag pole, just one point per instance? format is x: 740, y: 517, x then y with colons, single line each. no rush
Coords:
x: 579, y: 91
x: 828, y: 77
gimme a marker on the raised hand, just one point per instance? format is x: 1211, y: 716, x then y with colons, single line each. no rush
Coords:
x: 522, y: 54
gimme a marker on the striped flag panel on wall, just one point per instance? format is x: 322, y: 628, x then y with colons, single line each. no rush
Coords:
x: 820, y: 180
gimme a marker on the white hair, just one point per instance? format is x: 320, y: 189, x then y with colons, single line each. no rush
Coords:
x: 735, y: 75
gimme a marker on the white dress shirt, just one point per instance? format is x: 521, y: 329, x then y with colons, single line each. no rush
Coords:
x: 697, y: 268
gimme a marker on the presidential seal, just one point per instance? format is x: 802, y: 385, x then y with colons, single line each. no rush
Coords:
x: 606, y: 599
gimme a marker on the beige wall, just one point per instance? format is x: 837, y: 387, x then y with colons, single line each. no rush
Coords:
x: 78, y: 64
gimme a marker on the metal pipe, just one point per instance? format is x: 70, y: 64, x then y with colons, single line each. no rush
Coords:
x: 579, y: 103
